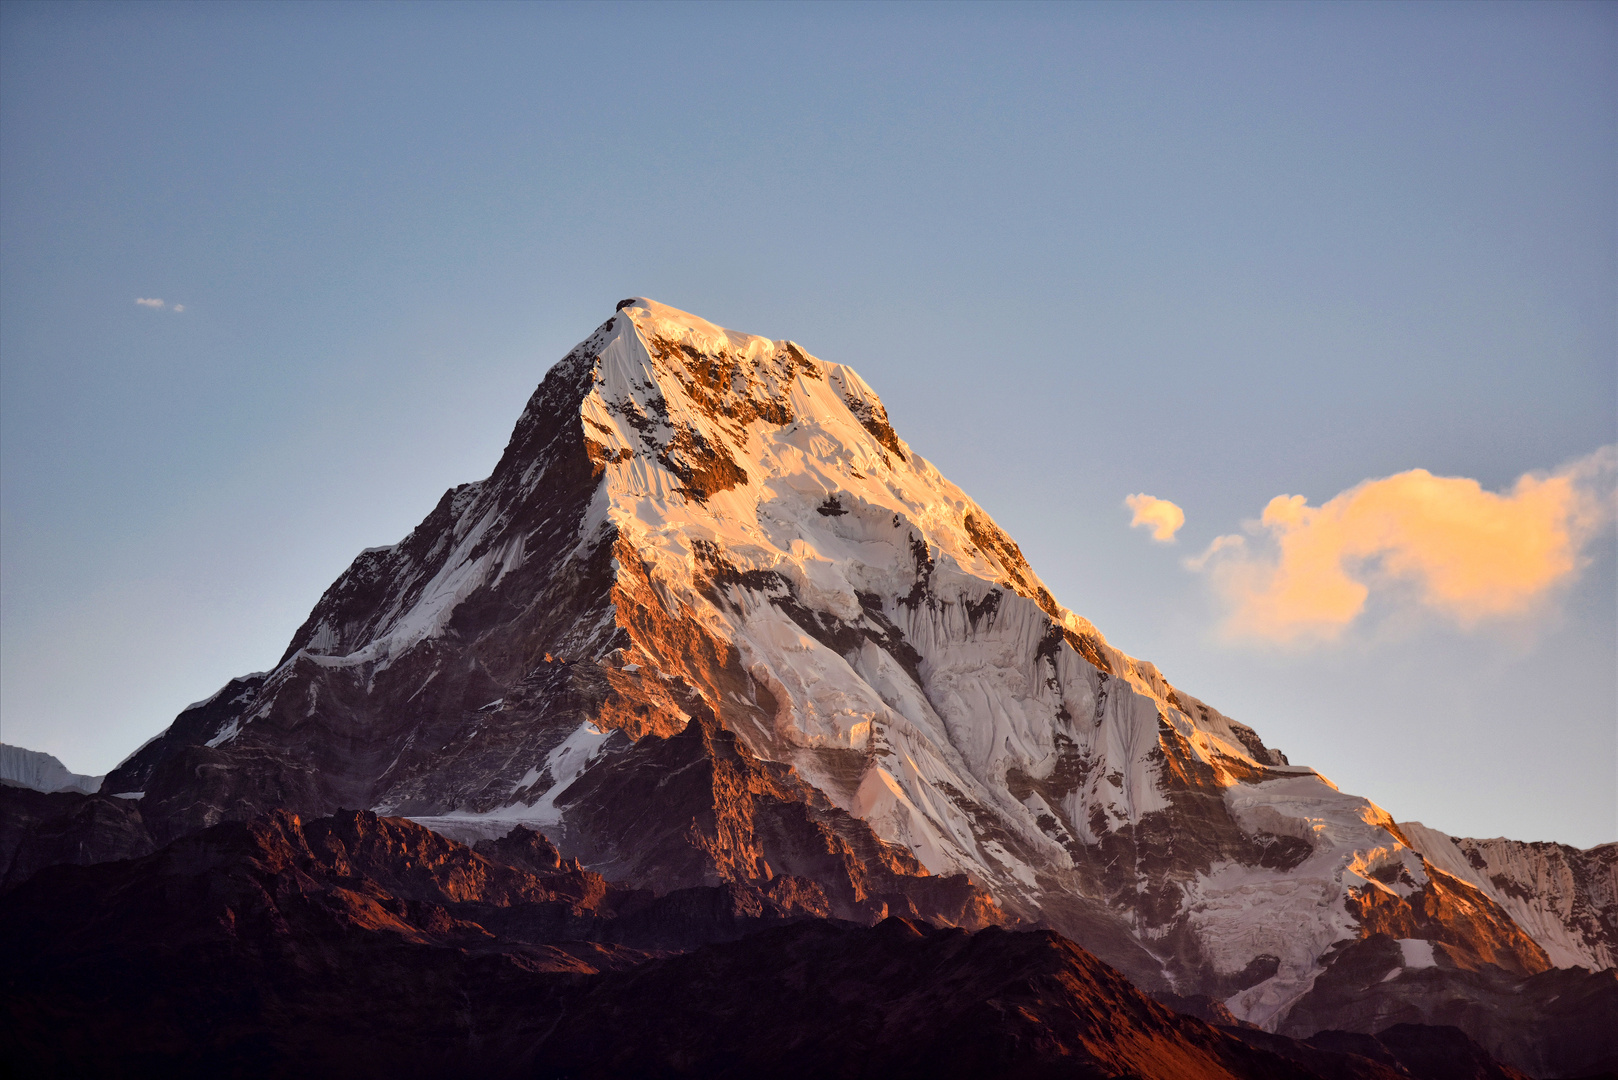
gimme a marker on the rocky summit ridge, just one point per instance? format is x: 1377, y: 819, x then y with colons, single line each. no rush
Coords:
x: 711, y: 621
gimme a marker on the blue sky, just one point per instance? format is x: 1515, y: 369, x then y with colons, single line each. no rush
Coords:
x: 1214, y: 253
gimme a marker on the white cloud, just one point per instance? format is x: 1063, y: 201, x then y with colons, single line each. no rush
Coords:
x: 1437, y: 542
x: 179, y: 307
x: 1159, y: 515
x: 1220, y: 543
x: 151, y: 303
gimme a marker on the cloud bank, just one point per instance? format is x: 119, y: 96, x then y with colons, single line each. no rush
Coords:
x: 1439, y: 542
x: 1159, y: 515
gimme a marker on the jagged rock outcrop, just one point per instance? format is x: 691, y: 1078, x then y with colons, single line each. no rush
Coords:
x: 40, y: 829
x: 711, y: 620
x: 755, y: 821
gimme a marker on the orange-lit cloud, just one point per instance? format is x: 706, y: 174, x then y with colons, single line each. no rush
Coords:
x: 1441, y: 541
x: 1159, y: 515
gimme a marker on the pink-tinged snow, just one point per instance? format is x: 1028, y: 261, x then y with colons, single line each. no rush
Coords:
x: 1241, y: 912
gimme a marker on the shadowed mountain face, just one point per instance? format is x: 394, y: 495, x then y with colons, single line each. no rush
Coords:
x: 1556, y: 1023
x: 362, y: 946
x: 40, y: 829
x: 711, y: 621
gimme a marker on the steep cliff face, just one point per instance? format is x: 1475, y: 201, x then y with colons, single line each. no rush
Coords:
x: 712, y: 620
x: 41, y: 772
x: 40, y: 829
x: 1565, y: 898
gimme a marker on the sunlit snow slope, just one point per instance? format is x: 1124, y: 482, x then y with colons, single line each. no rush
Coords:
x: 1567, y: 899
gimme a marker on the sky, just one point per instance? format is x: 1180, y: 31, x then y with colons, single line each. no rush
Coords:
x: 272, y: 277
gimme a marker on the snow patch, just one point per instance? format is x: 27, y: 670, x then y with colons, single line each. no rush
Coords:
x: 564, y: 764
x: 227, y: 733
x: 1417, y: 953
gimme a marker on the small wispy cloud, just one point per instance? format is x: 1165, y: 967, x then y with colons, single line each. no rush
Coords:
x: 1159, y: 515
x: 1442, y: 543
x: 146, y: 302
x: 178, y: 307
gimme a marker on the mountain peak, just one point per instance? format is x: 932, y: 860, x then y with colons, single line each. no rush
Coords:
x: 660, y: 320
x: 712, y: 620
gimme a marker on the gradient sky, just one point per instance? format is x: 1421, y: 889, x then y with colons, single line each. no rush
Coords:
x: 1212, y: 253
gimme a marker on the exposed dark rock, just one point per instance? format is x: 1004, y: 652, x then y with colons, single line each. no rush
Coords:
x: 39, y: 829
x: 1561, y: 1022
x: 523, y: 848
x: 698, y: 809
x: 369, y: 946
x: 1424, y: 1051
x: 319, y: 735
x: 1254, y: 744
x: 1200, y: 1006
x: 1446, y: 910
x: 837, y: 634
x: 705, y: 468
x: 874, y: 418
x: 1404, y: 1051
x: 1541, y: 884
x: 195, y: 725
